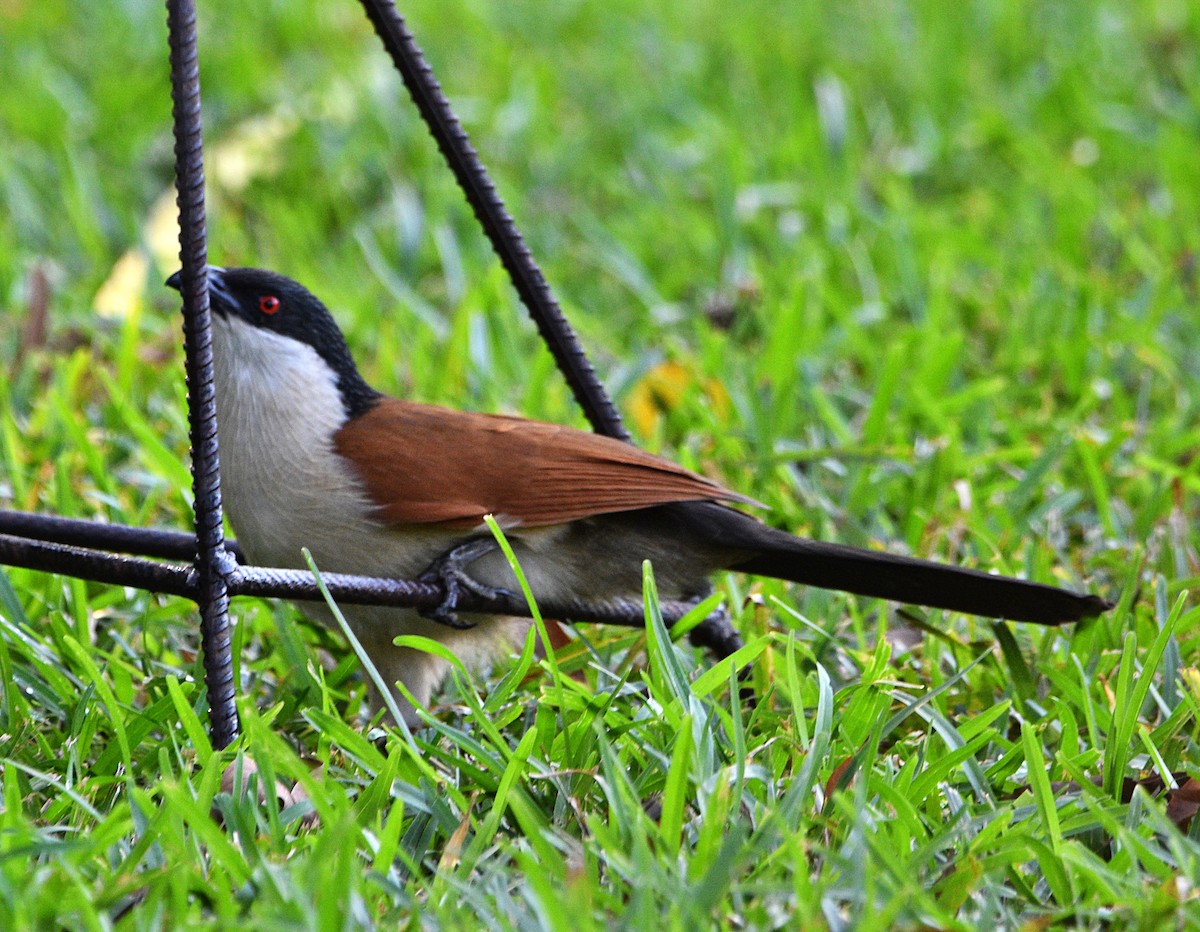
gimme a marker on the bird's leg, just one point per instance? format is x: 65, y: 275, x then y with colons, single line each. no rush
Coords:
x: 716, y: 632
x: 449, y: 572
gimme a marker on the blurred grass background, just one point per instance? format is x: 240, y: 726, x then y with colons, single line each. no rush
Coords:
x: 917, y: 275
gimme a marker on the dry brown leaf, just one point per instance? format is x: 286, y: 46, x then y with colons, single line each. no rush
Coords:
x: 1183, y: 803
x: 453, y: 850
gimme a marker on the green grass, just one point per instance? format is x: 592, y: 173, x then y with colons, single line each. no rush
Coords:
x: 942, y: 258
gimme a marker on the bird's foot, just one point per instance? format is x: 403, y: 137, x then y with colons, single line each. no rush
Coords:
x: 448, y: 571
x: 716, y: 632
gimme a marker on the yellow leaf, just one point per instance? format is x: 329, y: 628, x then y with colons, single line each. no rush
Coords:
x: 121, y: 294
x: 663, y: 388
x: 161, y: 233
x: 250, y: 151
x: 1191, y: 679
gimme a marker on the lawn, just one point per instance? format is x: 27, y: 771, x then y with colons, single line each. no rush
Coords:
x: 920, y: 276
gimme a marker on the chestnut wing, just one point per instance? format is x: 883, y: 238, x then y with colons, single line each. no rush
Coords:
x: 426, y: 465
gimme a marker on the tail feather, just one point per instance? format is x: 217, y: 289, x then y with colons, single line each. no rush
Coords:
x: 736, y: 541
x: 917, y: 582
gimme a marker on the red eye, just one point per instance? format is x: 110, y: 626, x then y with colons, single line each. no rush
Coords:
x: 268, y: 304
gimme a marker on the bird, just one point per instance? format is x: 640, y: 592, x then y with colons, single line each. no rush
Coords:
x: 312, y: 456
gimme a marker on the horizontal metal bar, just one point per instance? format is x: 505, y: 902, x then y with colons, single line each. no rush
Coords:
x: 116, y: 538
x: 178, y: 579
x: 369, y: 590
x: 96, y: 565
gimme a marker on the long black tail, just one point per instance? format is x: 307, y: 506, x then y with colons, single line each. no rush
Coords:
x: 918, y: 582
x: 750, y: 546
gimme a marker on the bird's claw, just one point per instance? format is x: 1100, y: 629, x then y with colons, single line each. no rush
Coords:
x: 447, y: 571
x: 444, y: 612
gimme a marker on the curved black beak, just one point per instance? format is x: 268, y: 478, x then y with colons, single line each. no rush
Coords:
x: 218, y: 294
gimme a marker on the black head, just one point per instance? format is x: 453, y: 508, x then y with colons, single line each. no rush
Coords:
x: 273, y: 302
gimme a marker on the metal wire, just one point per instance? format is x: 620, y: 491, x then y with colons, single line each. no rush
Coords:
x: 497, y: 223
x: 716, y: 633
x: 213, y: 562
x: 300, y: 585
x: 88, y: 550
x: 84, y: 563
x: 368, y: 590
x: 116, y: 538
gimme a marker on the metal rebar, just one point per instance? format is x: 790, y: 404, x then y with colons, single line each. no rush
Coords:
x: 365, y: 590
x: 497, y: 223
x: 212, y: 561
x: 267, y: 582
x: 83, y: 548
x: 116, y: 538
x: 715, y: 633
x: 95, y: 565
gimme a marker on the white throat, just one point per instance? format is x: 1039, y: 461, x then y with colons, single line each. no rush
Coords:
x: 278, y: 408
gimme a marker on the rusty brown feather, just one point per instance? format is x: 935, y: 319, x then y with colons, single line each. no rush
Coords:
x: 550, y: 474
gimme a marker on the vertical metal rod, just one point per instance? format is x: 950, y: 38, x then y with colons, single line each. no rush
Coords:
x: 213, y: 563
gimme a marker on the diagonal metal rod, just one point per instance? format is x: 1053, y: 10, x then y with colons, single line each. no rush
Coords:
x: 212, y: 560
x: 716, y: 633
x: 497, y: 223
